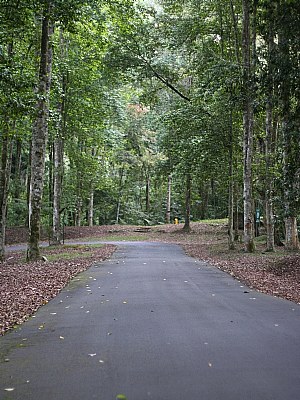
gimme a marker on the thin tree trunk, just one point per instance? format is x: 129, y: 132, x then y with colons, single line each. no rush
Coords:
x: 91, y: 208
x: 269, y: 155
x: 290, y: 211
x: 57, y: 189
x: 269, y: 179
x: 187, y: 225
x: 79, y: 211
x: 5, y: 171
x: 58, y: 153
x: 248, y: 121
x: 17, y: 175
x: 39, y: 141
x: 231, y: 190
x: 5, y: 168
x: 236, y: 33
x: 120, y: 195
x: 148, y: 194
x: 169, y: 193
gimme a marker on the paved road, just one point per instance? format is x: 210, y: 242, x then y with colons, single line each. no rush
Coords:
x: 152, y: 323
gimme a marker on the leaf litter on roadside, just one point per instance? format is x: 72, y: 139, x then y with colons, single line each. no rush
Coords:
x: 24, y: 287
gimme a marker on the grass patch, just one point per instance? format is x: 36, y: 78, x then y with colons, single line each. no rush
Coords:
x: 67, y: 256
x: 113, y: 238
x: 261, y: 239
x: 221, y: 221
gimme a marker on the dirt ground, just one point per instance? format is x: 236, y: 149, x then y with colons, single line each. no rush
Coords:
x: 25, y: 287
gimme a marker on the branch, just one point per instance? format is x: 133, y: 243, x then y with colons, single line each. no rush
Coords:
x: 159, y: 77
x: 168, y: 84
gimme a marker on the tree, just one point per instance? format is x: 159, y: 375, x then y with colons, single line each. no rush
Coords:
x: 248, y: 121
x: 40, y: 135
x: 289, y: 94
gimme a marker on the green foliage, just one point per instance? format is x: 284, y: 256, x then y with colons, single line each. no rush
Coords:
x: 144, y: 90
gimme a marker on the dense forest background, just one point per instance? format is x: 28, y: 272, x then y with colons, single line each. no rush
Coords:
x: 140, y: 112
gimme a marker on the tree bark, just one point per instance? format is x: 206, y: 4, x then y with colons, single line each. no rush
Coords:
x: 91, y: 208
x: 5, y: 168
x: 16, y: 168
x: 58, y: 153
x: 231, y: 245
x: 290, y: 210
x: 269, y: 151
x: 121, y: 174
x: 248, y: 121
x: 269, y: 179
x: 187, y: 221
x: 169, y: 193
x: 236, y: 211
x: 57, y: 189
x: 148, y: 194
x: 39, y: 141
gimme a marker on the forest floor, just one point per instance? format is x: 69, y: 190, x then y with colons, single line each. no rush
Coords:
x: 25, y: 287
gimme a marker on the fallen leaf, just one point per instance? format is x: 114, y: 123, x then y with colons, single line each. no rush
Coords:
x: 121, y: 397
x: 9, y: 389
x: 92, y: 354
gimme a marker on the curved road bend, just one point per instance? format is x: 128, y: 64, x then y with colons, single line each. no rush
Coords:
x: 152, y: 323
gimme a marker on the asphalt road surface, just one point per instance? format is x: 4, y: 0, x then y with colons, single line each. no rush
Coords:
x: 152, y: 323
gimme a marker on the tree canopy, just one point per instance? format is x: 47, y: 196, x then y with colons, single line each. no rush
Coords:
x: 142, y: 111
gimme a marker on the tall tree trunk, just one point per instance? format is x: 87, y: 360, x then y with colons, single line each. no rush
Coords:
x: 58, y: 152
x: 121, y: 174
x: 289, y: 158
x: 169, y: 192
x: 57, y: 189
x: 91, y: 208
x: 236, y: 211
x: 236, y: 33
x: 148, y: 193
x: 231, y: 189
x: 17, y: 176
x: 5, y: 170
x: 39, y: 141
x: 269, y: 179
x: 79, y: 211
x: 269, y: 151
x: 5, y: 167
x: 188, y: 190
x: 248, y: 121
